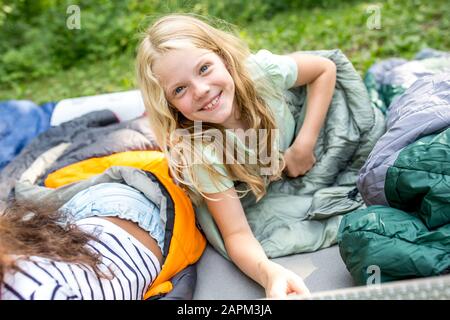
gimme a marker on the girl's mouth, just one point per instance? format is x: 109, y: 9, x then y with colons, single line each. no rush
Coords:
x: 214, y: 104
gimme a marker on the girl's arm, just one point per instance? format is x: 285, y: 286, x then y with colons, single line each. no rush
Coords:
x: 319, y: 74
x: 246, y: 252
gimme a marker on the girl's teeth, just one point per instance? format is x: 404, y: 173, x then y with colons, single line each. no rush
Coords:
x: 213, y: 103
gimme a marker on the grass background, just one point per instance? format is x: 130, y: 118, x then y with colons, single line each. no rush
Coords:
x: 42, y: 60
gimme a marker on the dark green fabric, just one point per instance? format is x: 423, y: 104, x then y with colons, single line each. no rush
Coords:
x: 389, y: 92
x: 398, y: 243
x: 373, y: 89
x: 412, y: 237
x: 381, y: 95
x: 419, y: 180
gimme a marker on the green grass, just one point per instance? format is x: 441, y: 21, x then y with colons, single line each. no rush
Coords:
x: 406, y: 27
x: 80, y: 80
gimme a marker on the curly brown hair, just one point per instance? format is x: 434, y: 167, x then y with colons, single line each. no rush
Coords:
x: 27, y: 231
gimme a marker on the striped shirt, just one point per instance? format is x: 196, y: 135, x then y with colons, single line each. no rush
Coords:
x: 134, y: 266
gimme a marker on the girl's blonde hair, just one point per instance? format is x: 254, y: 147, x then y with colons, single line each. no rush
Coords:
x: 179, y: 31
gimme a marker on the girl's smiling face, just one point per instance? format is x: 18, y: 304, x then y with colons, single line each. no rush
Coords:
x: 197, y: 83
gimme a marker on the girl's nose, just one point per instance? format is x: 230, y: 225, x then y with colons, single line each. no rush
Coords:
x: 201, y: 89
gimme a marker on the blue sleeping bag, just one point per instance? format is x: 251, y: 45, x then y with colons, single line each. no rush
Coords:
x: 20, y: 122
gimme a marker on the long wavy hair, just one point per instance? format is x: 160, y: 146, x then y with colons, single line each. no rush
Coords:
x: 27, y: 231
x: 179, y: 31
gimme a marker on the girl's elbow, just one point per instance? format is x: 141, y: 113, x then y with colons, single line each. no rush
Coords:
x: 331, y: 67
x: 330, y: 71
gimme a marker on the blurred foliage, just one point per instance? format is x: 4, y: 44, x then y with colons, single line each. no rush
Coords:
x: 42, y: 59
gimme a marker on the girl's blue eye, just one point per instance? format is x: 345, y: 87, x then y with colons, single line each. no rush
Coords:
x: 178, y: 90
x: 204, y: 68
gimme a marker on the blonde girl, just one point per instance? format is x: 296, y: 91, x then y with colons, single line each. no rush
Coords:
x: 199, y: 82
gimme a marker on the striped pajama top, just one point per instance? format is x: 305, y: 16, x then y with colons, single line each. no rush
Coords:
x: 134, y: 266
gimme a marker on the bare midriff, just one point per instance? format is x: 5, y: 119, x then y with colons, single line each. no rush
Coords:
x: 140, y: 234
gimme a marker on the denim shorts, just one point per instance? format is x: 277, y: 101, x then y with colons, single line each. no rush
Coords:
x: 118, y: 200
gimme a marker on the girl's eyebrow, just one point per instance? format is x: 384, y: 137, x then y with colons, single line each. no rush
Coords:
x: 199, y: 62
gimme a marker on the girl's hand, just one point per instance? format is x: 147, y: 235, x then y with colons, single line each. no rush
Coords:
x: 299, y: 160
x: 282, y: 282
